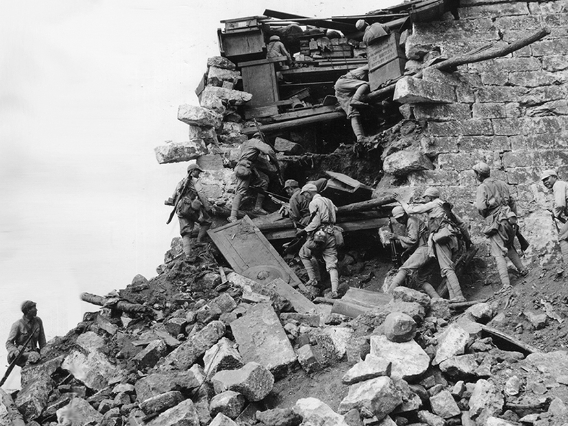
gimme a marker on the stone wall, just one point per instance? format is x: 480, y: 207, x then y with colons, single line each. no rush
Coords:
x: 510, y: 112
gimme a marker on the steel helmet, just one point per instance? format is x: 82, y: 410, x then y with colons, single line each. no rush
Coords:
x: 193, y: 166
x: 431, y: 192
x: 547, y: 173
x: 397, y: 212
x: 482, y: 168
x: 360, y: 24
x: 274, y: 38
x: 309, y: 187
x: 291, y: 183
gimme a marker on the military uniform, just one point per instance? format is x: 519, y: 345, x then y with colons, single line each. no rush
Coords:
x: 21, y: 331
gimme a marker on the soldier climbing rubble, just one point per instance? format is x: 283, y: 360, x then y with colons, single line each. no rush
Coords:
x: 322, y: 238
x: 559, y: 212
x: 416, y: 242
x: 256, y: 166
x: 494, y: 203
x: 26, y: 337
x: 191, y: 206
x: 446, y: 231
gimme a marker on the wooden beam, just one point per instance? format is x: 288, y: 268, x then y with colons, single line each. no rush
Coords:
x: 322, y: 118
x: 524, y: 347
x: 367, y: 205
x: 304, y: 112
x: 324, y: 23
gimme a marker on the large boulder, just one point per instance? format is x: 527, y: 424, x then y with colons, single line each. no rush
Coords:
x: 162, y: 402
x: 408, y: 359
x: 222, y: 356
x: 316, y: 412
x: 376, y: 397
x: 404, y: 162
x: 159, y: 383
x: 371, y: 368
x: 451, y: 342
x: 9, y: 414
x: 485, y: 400
x: 253, y: 380
x: 177, y: 152
x: 78, y: 413
x: 399, y: 327
x: 229, y: 403
x: 183, y: 414
x: 199, y: 116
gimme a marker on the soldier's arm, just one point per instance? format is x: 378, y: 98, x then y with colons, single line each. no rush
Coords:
x: 41, y: 338
x: 481, y: 200
x: 411, y: 238
x: 559, y: 200
x: 10, y: 345
x: 316, y: 220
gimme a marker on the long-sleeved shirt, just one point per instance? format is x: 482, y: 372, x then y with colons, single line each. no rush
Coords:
x: 416, y: 233
x: 299, y: 207
x: 251, y: 150
x: 437, y: 215
x: 560, y: 190
x: 322, y: 211
x: 492, y: 194
x: 21, y: 330
x: 275, y: 49
x: 192, y: 193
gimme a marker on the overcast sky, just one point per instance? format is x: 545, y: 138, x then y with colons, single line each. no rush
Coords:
x: 87, y: 90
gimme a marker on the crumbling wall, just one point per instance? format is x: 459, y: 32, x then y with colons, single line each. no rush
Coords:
x: 510, y: 112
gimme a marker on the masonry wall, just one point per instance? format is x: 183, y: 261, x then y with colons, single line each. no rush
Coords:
x: 511, y: 112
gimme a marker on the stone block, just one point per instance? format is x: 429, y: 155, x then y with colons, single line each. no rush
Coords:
x: 199, y: 116
x: 405, y: 294
x: 554, y: 63
x: 207, y: 134
x: 409, y: 90
x: 408, y: 359
x: 340, y: 338
x: 500, y: 94
x: 160, y: 383
x: 210, y: 101
x: 430, y: 419
x: 31, y: 372
x: 460, y: 367
x: 176, y: 152
x: 481, y: 28
x: 494, y: 77
x: 444, y: 112
x: 253, y: 380
x: 210, y: 162
x: 432, y: 146
x: 464, y: 160
x: 227, y: 96
x: 536, y: 96
x: 492, y: 10
x: 411, y: 401
x: 535, y: 78
x: 443, y: 405
x: 222, y: 420
x: 537, y: 320
x: 370, y: 368
x: 485, y: 401
x: 473, y: 127
x: 279, y: 417
x: 222, y: 356
x: 217, y: 76
x: 176, y: 325
x: 433, y: 178
x: 188, y: 352
x: 462, y: 83
x: 399, y: 327
x: 183, y: 414
x: 9, y: 414
x: 507, y: 126
x: 225, y: 302
x: 150, y: 355
x: 402, y: 163
x: 559, y: 107
x: 519, y: 23
x: 162, y: 402
x: 262, y: 339
x: 229, y: 403
x: 220, y: 62
x: 489, y: 110
x: 549, y: 47
x: 78, y: 413
x: 375, y: 397
x: 316, y: 412
x: 307, y: 359
x: 93, y: 369
x: 312, y: 320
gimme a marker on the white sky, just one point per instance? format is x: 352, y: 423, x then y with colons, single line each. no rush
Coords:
x: 88, y: 88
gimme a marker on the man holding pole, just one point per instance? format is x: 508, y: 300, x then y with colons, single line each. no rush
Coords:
x: 26, y: 336
x: 559, y: 189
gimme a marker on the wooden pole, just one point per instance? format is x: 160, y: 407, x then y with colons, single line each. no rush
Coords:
x: 366, y: 205
x: 266, y: 128
x: 120, y: 305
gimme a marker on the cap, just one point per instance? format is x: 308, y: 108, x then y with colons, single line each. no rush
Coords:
x: 274, y: 38
x: 291, y: 183
x: 547, y: 173
x: 397, y: 212
x: 482, y: 168
x: 511, y: 213
x: 193, y: 166
x: 27, y: 305
x: 309, y: 187
x: 360, y: 24
x: 431, y: 192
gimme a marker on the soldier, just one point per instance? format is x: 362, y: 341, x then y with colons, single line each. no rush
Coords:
x: 494, y: 203
x: 256, y: 163
x: 321, y: 238
x: 560, y: 209
x: 276, y: 48
x: 444, y: 227
x: 299, y: 210
x: 416, y: 241
x: 191, y: 206
x: 349, y: 89
x: 29, y: 324
x: 372, y: 32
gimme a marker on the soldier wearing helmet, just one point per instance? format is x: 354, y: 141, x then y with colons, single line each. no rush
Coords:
x: 21, y: 330
x: 494, y: 203
x: 416, y: 242
x: 321, y: 240
x: 299, y: 210
x: 559, y: 189
x: 274, y: 49
x: 191, y: 207
x: 444, y: 227
x: 350, y: 89
x: 372, y: 32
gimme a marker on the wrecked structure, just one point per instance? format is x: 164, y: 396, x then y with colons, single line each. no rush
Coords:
x: 205, y: 344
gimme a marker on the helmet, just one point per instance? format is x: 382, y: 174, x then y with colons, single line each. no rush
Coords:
x: 27, y: 305
x: 309, y: 187
x: 431, y: 192
x: 274, y: 38
x: 482, y: 168
x: 397, y: 212
x: 193, y: 166
x: 547, y: 173
x: 291, y: 183
x: 242, y: 171
x: 360, y: 24
x: 320, y: 236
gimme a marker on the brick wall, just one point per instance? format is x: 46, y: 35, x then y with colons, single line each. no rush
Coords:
x: 511, y: 112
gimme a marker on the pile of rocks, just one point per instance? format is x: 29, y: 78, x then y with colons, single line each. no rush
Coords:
x: 218, y: 360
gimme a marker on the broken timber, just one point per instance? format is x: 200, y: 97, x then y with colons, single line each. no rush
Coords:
x: 522, y: 346
x: 467, y: 59
x: 131, y: 308
x: 320, y: 118
x: 358, y: 301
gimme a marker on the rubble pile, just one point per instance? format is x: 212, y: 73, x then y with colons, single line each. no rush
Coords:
x: 207, y: 352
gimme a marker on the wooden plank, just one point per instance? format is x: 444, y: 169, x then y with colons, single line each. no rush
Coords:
x: 524, y: 347
x: 304, y: 112
x: 263, y: 61
x: 349, y: 309
x: 366, y: 298
x: 322, y: 118
x: 361, y: 225
x: 299, y: 302
x: 244, y: 247
x: 260, y: 81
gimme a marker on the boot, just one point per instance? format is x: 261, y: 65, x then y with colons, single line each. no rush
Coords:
x: 502, y: 270
x: 258, y: 207
x: 357, y: 128
x: 429, y: 290
x: 454, y: 288
x: 186, y: 245
x: 202, y: 233
x: 334, y: 278
x: 356, y: 100
x: 397, y: 280
x: 312, y: 277
x: 235, y: 207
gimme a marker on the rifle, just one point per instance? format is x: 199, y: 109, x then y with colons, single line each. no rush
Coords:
x: 264, y: 140
x: 178, y: 199
x: 395, y: 256
x: 15, y: 360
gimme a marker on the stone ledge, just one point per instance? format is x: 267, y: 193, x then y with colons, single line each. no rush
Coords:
x: 410, y: 90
